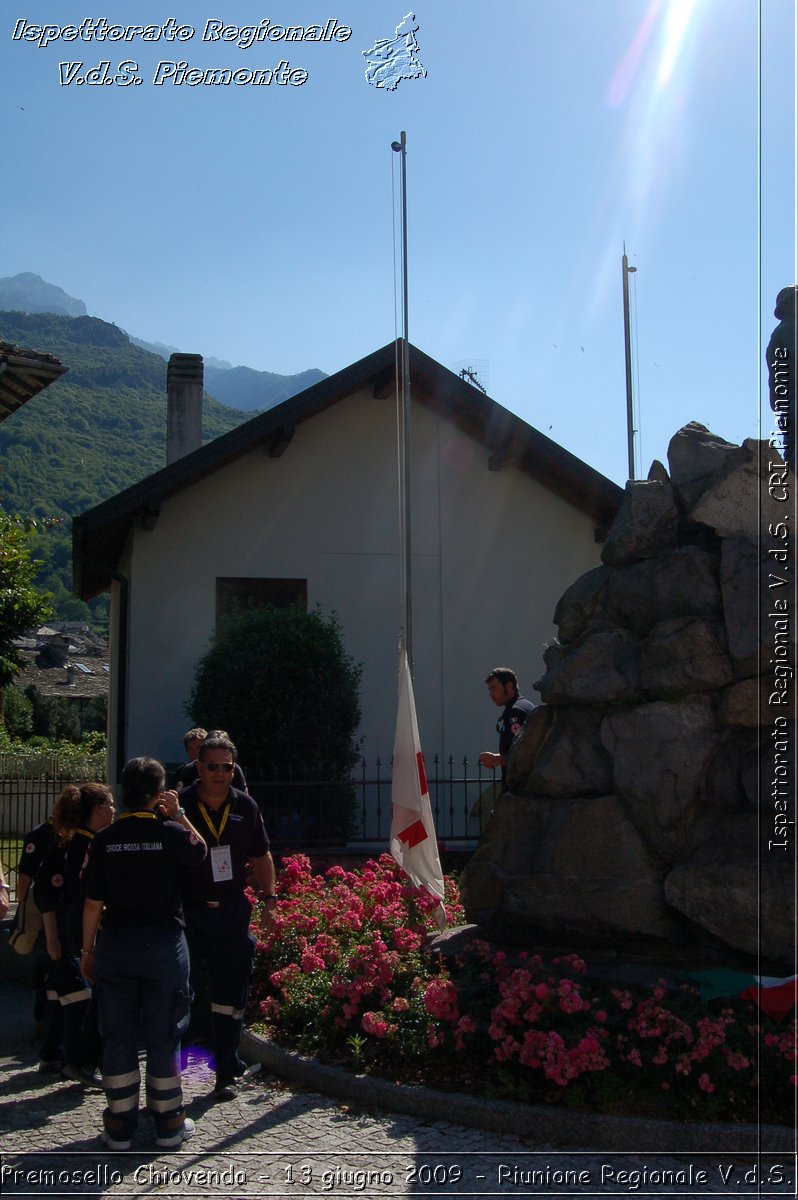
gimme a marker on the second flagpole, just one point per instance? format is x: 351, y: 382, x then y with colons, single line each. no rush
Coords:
x: 403, y: 429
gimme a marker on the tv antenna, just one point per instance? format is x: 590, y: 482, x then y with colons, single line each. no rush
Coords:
x: 473, y: 371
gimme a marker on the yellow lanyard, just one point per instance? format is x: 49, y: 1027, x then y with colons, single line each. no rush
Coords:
x: 217, y: 834
x: 86, y: 833
x: 148, y: 815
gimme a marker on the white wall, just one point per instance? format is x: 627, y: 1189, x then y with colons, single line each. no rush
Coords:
x: 492, y: 553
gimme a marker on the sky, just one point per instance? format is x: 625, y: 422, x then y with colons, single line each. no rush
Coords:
x: 258, y: 224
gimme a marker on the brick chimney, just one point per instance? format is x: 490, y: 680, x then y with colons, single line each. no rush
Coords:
x: 184, y: 383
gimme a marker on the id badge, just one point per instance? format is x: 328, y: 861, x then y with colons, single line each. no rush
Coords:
x: 221, y: 864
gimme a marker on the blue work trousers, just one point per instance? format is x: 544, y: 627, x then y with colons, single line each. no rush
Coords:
x: 219, y: 937
x: 142, y: 984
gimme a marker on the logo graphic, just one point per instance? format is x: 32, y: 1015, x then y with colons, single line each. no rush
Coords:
x: 390, y: 60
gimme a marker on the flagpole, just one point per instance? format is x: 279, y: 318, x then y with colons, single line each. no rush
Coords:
x: 403, y: 423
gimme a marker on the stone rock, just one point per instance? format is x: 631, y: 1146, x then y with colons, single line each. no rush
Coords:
x: 572, y: 762
x: 580, y: 602
x: 682, y: 584
x: 722, y: 785
x: 757, y: 621
x: 587, y: 875
x: 505, y: 851
x: 696, y: 457
x: 739, y: 573
x: 750, y: 774
x: 526, y: 747
x: 736, y: 889
x: 600, y: 668
x: 658, y: 473
x: 659, y: 754
x: 646, y: 525
x: 736, y: 503
x: 555, y: 653
x: 747, y: 703
x: 683, y: 656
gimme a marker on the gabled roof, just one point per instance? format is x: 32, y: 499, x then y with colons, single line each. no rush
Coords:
x: 99, y: 535
x: 23, y: 374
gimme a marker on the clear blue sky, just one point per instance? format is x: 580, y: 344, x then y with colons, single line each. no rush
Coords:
x: 254, y: 224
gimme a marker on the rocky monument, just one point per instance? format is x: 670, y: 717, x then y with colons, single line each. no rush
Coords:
x: 649, y: 803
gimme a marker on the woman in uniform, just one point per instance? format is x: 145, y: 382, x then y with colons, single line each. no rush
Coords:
x: 140, y: 963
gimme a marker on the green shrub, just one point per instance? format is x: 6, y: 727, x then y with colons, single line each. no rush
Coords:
x: 280, y: 681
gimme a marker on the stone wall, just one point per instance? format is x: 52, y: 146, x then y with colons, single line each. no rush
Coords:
x: 640, y: 811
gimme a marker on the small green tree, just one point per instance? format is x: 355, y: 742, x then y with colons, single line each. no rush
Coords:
x: 280, y: 681
x: 21, y: 606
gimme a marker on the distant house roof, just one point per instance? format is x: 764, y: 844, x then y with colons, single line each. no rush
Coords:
x: 99, y: 534
x: 23, y: 374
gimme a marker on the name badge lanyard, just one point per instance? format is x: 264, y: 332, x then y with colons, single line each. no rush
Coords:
x: 221, y: 858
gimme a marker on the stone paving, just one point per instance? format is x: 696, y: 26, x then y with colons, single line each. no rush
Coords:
x: 277, y: 1140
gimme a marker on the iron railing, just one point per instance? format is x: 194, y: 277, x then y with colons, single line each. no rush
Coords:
x: 303, y: 809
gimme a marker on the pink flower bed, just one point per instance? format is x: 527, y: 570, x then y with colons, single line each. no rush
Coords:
x: 345, y: 967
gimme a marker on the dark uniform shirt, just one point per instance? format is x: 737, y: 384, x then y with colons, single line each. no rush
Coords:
x: 238, y: 825
x: 513, y: 716
x: 38, y: 843
x: 57, y: 887
x: 135, y: 866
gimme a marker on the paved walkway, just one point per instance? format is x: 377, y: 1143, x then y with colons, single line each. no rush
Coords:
x: 275, y: 1140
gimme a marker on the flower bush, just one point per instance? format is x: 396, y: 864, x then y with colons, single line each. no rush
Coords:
x: 344, y: 975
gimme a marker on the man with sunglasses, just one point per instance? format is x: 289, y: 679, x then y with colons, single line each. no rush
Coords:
x: 217, y: 909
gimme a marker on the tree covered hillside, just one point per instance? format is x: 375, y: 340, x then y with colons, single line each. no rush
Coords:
x: 89, y: 435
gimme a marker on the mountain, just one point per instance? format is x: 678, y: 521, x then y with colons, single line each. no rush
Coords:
x: 166, y: 351
x: 31, y: 294
x: 242, y: 388
x: 95, y: 431
x: 252, y: 391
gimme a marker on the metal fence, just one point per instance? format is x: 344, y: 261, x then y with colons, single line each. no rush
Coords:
x: 328, y: 807
x: 303, y: 809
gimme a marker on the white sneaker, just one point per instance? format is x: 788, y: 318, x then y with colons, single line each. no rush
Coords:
x: 178, y: 1137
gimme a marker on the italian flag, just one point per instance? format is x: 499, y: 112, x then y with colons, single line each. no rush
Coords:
x: 776, y: 996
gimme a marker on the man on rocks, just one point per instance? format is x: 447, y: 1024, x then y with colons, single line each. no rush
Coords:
x: 503, y: 691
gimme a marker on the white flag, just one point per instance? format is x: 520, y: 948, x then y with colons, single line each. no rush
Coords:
x: 413, y: 841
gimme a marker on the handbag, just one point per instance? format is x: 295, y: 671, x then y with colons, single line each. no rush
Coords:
x: 27, y: 925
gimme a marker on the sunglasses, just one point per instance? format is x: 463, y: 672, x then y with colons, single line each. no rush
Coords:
x: 227, y: 767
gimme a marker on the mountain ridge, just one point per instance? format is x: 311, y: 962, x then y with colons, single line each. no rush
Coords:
x: 95, y: 431
x: 240, y: 387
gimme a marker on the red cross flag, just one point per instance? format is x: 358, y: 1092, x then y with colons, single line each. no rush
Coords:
x: 413, y: 841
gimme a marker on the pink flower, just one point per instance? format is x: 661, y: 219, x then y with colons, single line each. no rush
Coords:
x: 312, y: 962
x: 705, y: 1083
x: 373, y: 1024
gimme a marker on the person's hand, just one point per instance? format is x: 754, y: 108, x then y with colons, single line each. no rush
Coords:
x: 87, y: 965
x: 490, y: 760
x: 54, y: 948
x: 269, y: 908
x: 3, y: 901
x: 168, y: 805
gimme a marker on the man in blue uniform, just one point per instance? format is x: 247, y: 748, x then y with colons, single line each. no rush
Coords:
x: 503, y: 691
x: 132, y: 879
x: 217, y: 909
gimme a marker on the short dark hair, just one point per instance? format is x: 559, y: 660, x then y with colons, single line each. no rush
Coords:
x: 142, y: 778
x: 504, y: 675
x: 217, y: 739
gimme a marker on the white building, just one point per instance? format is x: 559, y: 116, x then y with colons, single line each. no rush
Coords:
x: 302, y: 501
